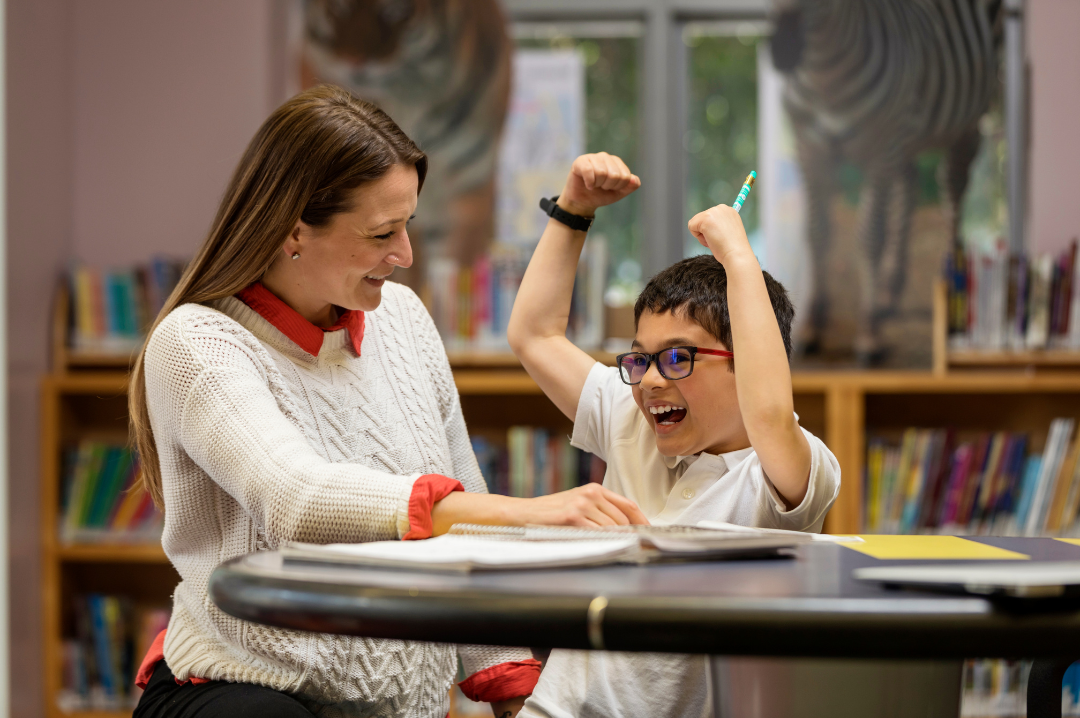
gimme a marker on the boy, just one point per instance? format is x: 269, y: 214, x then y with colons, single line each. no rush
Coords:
x: 706, y: 440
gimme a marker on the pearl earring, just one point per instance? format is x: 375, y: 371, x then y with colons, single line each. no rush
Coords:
x: 296, y: 255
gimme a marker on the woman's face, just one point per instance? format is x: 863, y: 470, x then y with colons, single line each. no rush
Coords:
x: 346, y: 262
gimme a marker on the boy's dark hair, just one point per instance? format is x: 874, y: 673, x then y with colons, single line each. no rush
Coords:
x: 697, y: 286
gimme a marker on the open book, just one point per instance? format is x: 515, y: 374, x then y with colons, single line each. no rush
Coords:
x: 470, y: 547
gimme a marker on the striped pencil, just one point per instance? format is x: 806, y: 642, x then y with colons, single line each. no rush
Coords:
x: 737, y: 206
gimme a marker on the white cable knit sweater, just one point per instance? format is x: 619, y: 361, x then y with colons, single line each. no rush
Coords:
x: 260, y: 443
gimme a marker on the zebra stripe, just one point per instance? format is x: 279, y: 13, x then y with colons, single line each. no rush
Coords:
x: 876, y: 82
x: 914, y: 71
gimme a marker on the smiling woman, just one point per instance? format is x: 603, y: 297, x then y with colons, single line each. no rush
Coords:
x: 346, y: 263
x: 289, y: 392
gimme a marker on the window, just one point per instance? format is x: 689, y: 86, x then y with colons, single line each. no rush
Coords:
x: 721, y: 137
x: 610, y: 55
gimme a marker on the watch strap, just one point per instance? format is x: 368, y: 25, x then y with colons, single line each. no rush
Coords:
x: 573, y: 221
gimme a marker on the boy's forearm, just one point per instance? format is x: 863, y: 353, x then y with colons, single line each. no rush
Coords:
x: 537, y: 328
x: 762, y: 374
x: 542, y: 307
x: 763, y: 379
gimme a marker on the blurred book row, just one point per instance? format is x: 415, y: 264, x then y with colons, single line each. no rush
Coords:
x: 992, y: 484
x: 999, y: 300
x: 471, y: 305
x: 99, y: 663
x: 100, y: 500
x: 994, y: 688
x: 111, y: 309
x: 534, y: 462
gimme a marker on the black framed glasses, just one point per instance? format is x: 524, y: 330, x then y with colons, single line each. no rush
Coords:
x: 672, y: 363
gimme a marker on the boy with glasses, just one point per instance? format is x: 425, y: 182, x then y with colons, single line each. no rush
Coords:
x: 695, y: 423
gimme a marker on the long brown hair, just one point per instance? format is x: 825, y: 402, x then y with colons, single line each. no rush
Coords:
x: 302, y: 164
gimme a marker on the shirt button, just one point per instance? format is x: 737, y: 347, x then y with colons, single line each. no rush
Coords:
x: 688, y: 494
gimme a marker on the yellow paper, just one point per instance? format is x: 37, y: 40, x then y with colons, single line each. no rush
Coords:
x: 929, y: 547
x: 1073, y: 541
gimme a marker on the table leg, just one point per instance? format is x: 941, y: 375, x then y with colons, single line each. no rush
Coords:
x: 1044, y: 687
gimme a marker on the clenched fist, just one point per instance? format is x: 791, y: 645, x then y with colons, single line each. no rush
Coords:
x: 596, y: 180
x: 720, y: 229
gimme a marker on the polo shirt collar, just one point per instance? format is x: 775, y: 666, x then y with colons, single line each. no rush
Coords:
x: 289, y: 322
x: 730, y: 458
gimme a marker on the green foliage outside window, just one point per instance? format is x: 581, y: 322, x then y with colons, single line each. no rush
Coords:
x: 722, y: 122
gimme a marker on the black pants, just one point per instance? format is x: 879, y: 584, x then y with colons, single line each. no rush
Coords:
x: 163, y: 698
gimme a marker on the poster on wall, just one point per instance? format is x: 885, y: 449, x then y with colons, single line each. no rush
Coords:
x: 544, y: 133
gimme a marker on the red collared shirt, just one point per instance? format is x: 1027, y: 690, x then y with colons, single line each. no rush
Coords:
x: 288, y: 321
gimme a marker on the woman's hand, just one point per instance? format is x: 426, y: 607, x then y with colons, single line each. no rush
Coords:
x: 596, y: 180
x: 588, y: 505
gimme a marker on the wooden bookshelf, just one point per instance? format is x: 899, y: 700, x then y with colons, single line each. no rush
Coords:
x: 947, y: 359
x: 840, y: 407
x: 74, y: 406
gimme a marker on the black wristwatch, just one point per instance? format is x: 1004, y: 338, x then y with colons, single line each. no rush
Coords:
x: 573, y: 221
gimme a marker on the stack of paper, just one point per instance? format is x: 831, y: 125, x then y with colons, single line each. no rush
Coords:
x: 455, y: 552
x: 471, y: 547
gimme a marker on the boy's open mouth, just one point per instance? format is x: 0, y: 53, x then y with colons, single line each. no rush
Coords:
x: 667, y: 415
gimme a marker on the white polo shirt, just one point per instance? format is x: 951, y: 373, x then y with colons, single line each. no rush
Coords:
x: 729, y: 487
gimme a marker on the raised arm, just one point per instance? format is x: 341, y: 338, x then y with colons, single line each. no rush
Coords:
x: 537, y: 329
x: 762, y: 373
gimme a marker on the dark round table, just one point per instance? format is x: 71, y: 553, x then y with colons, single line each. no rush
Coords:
x: 808, y: 606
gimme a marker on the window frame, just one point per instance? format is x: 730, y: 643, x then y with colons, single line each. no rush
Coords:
x: 663, y: 68
x: 663, y: 72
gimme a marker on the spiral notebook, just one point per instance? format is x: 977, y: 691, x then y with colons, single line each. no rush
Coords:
x: 472, y: 547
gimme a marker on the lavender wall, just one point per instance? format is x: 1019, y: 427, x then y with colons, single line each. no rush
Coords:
x: 1054, y: 52
x: 124, y: 121
x: 39, y: 143
x: 166, y: 97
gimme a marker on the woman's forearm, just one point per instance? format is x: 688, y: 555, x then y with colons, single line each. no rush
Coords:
x: 469, y: 508
x: 589, y: 505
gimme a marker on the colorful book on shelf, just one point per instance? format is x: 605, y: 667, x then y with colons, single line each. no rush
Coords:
x: 99, y: 660
x: 534, y: 461
x: 111, y: 309
x: 471, y: 305
x: 934, y: 480
x: 101, y: 498
x: 1001, y: 301
x: 1061, y: 488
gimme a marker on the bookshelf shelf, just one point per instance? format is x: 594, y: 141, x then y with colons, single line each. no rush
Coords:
x: 111, y: 553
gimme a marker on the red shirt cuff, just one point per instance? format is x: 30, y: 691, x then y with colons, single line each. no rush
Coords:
x: 502, y: 682
x: 155, y: 655
x: 426, y: 491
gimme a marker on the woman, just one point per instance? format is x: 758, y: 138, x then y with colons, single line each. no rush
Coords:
x: 288, y: 393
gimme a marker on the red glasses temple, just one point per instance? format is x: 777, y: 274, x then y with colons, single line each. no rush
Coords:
x: 716, y: 352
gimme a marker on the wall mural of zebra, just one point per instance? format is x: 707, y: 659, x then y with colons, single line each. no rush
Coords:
x: 875, y: 83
